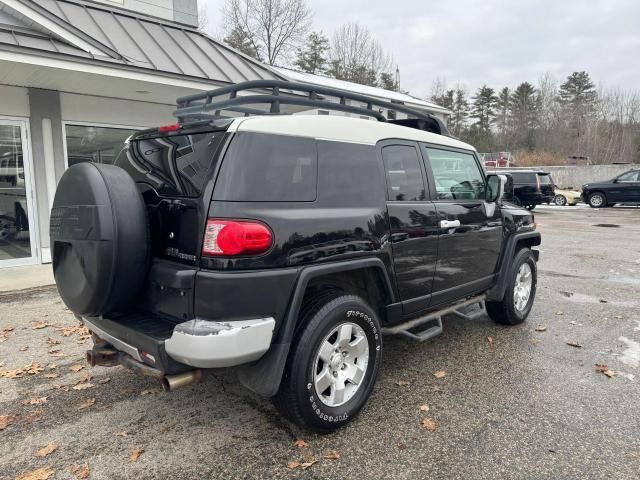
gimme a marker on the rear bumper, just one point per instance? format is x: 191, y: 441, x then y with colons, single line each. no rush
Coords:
x: 173, y: 348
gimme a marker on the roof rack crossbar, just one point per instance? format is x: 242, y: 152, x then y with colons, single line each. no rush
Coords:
x: 281, y: 92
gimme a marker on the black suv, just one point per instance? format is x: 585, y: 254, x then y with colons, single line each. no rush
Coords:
x: 625, y: 188
x: 285, y: 245
x: 530, y: 187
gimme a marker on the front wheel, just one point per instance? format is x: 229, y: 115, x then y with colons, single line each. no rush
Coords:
x: 333, y: 366
x: 560, y: 200
x: 518, y: 298
x: 597, y: 200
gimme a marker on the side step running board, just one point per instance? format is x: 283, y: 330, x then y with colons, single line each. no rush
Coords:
x: 421, y: 336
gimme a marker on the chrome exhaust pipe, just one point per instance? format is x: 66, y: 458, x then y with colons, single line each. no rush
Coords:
x: 171, y: 382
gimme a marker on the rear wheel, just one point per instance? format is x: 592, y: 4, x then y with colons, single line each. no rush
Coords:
x: 560, y: 200
x: 597, y: 200
x: 518, y: 298
x: 333, y: 366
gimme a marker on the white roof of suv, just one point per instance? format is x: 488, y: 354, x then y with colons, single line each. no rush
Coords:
x: 339, y: 128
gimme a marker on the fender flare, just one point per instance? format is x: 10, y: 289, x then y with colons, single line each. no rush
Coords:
x: 264, y: 376
x: 531, y: 239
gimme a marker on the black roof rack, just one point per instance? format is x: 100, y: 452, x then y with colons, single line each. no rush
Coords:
x: 211, y: 104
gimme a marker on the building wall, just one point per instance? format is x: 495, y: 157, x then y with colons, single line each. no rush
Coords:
x: 184, y: 11
x: 578, y: 175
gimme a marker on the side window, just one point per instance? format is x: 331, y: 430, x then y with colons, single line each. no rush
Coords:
x: 457, y: 175
x: 261, y: 167
x: 404, y: 177
x: 629, y: 177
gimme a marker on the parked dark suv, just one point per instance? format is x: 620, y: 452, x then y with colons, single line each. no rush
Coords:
x: 530, y: 187
x: 625, y: 188
x: 285, y: 245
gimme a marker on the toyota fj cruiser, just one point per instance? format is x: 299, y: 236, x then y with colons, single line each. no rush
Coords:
x: 285, y: 245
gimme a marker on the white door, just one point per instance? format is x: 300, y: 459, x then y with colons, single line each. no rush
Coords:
x: 17, y: 220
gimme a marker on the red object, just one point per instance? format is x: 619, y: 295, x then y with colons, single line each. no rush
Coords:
x: 169, y: 128
x: 233, y: 237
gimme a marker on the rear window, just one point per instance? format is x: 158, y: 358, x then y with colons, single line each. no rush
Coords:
x: 262, y: 167
x: 545, y: 179
x: 176, y: 165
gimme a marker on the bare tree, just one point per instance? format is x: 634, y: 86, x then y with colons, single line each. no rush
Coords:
x: 272, y: 28
x: 357, y: 56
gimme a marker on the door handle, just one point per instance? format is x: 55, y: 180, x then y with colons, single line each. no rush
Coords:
x: 449, y: 223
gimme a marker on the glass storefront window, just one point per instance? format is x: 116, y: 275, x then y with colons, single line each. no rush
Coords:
x: 94, y: 144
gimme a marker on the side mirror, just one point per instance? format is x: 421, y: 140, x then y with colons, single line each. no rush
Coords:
x: 495, y: 188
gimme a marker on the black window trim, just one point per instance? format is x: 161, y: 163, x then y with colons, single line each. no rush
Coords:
x: 430, y: 175
x: 407, y: 143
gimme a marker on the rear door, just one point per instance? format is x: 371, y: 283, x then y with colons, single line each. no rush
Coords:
x: 627, y: 187
x: 413, y: 224
x: 469, y: 229
x: 546, y: 185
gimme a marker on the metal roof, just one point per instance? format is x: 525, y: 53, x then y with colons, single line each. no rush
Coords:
x: 138, y: 40
x: 377, y: 92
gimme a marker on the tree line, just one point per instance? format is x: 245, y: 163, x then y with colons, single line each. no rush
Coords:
x: 277, y: 32
x: 547, y: 122
x: 543, y: 122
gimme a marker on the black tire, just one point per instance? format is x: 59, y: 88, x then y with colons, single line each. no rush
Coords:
x: 505, y: 311
x: 597, y: 200
x: 99, y: 239
x: 516, y: 201
x: 297, y: 398
x: 560, y: 200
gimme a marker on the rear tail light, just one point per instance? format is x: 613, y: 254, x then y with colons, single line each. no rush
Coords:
x: 169, y: 128
x: 234, y: 237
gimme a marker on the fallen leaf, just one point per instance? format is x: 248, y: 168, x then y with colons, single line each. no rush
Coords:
x: 58, y: 354
x: 51, y: 375
x: 292, y: 464
x: 333, y: 455
x: 541, y: 328
x: 44, y: 451
x: 2, y: 363
x: 82, y: 386
x: 603, y: 301
x: 85, y: 403
x: 17, y: 373
x: 35, y: 401
x: 6, y: 420
x: 300, y: 443
x: 439, y: 374
x: 40, y: 474
x: 76, y: 368
x: 33, y: 369
x: 39, y: 325
x: 306, y: 465
x: 428, y: 424
x: 102, y: 381
x: 610, y: 373
x: 618, y: 317
x: 80, y: 471
x: 52, y: 341
x: 6, y: 333
x: 490, y: 340
x: 402, y: 446
x: 24, y: 348
x: 121, y: 434
x: 600, y: 367
x: 574, y: 344
x: 403, y: 383
x: 33, y: 416
x: 135, y: 454
x: 424, y: 408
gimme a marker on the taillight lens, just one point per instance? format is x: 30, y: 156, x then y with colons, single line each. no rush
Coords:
x: 231, y: 237
x: 169, y: 128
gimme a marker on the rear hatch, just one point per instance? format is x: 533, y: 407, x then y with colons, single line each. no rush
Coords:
x: 174, y: 172
x: 546, y: 184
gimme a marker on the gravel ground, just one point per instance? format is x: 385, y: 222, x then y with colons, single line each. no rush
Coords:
x: 524, y: 405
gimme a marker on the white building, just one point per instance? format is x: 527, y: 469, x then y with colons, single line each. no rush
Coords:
x: 78, y: 76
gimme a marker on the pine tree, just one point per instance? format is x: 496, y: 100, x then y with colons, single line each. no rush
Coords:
x: 241, y: 40
x: 578, y: 98
x: 483, y: 110
x: 460, y: 112
x: 524, y: 108
x: 313, y: 56
x: 388, y: 82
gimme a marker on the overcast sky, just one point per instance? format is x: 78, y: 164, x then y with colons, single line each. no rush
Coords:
x: 497, y: 42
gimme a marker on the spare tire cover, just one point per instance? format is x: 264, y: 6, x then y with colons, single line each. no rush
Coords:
x: 99, y: 239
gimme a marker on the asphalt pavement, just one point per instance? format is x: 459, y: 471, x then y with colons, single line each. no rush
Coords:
x: 524, y: 402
